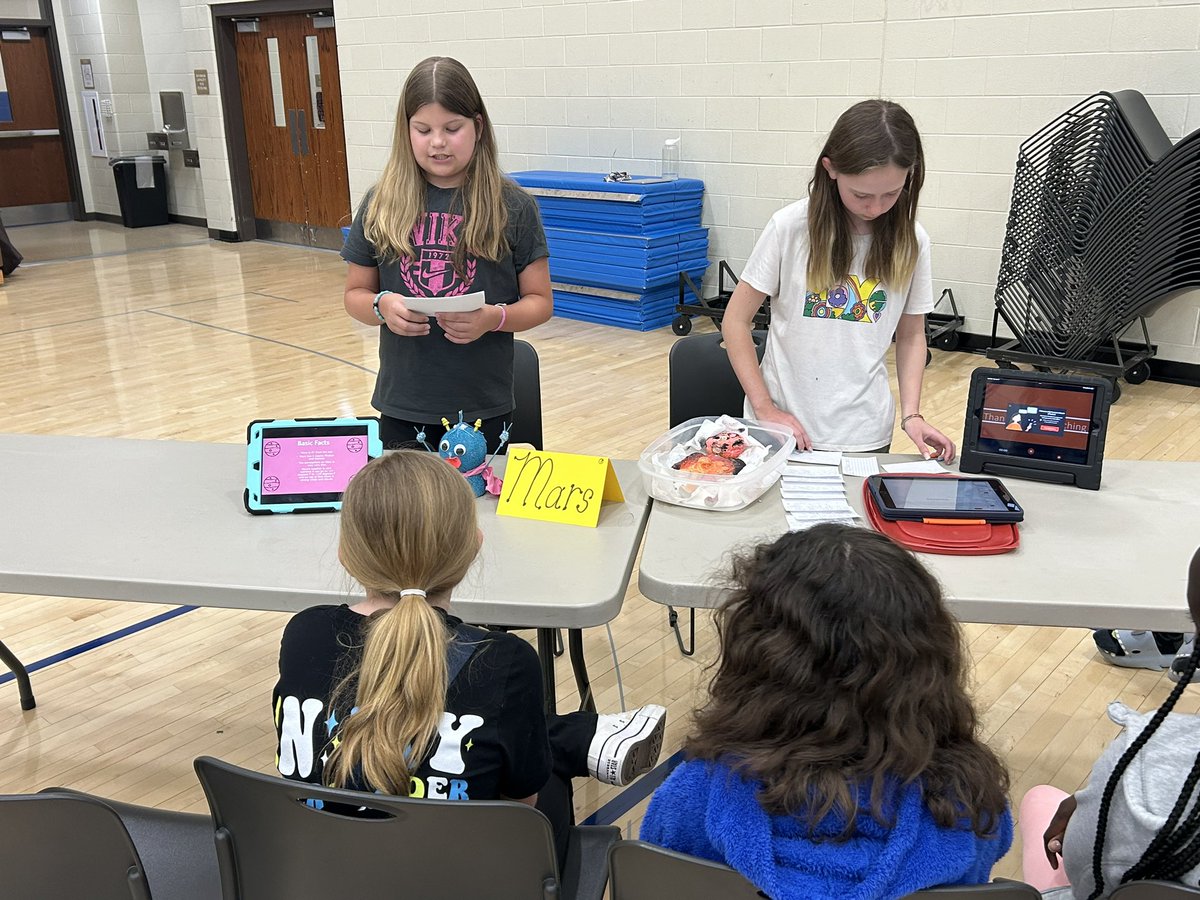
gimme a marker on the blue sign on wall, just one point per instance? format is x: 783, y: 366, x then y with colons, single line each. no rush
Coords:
x: 5, y: 103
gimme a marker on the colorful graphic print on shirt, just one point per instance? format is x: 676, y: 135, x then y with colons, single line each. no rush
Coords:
x: 431, y: 272
x: 298, y: 723
x: 857, y: 301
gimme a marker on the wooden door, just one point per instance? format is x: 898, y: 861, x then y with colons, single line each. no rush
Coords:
x: 35, y: 184
x: 295, y: 142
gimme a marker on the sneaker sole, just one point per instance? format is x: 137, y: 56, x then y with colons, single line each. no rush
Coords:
x: 638, y: 744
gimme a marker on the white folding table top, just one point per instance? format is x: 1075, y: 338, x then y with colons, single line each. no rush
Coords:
x: 163, y: 521
x: 1113, y: 558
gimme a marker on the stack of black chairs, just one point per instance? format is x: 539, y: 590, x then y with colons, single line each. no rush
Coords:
x: 1102, y: 231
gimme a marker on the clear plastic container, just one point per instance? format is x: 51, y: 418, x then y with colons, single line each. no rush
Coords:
x: 718, y: 492
x: 669, y: 171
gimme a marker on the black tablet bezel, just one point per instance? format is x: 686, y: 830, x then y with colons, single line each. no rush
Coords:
x: 980, y: 456
x: 876, y: 484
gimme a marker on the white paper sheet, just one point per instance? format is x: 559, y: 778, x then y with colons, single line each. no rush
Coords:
x: 795, y: 524
x: 791, y: 470
x: 808, y: 508
x: 430, y: 306
x: 924, y: 467
x: 860, y: 466
x: 816, y: 457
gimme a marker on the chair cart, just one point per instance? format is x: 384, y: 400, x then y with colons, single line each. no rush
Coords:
x: 1101, y: 232
x: 713, y: 307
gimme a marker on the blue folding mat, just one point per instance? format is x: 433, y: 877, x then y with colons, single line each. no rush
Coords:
x: 617, y: 247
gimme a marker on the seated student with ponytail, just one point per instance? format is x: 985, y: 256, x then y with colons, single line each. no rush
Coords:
x: 1138, y: 818
x: 395, y: 694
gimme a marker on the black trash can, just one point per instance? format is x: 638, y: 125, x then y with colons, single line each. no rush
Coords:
x: 141, y: 188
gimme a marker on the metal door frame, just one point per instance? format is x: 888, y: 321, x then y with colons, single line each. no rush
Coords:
x: 224, y: 31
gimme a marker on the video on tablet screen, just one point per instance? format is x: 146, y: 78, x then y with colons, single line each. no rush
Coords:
x: 1051, y: 423
x: 300, y: 466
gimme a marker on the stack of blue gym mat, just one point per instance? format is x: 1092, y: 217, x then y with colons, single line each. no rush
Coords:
x: 617, y: 247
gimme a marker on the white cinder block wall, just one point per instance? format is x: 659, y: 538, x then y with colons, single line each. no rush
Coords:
x: 752, y: 87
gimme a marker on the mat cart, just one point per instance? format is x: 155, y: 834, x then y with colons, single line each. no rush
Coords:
x: 712, y: 307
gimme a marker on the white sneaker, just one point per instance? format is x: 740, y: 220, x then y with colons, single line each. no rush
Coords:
x: 626, y: 744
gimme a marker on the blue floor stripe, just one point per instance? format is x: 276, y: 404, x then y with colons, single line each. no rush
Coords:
x: 619, y: 805
x: 100, y: 641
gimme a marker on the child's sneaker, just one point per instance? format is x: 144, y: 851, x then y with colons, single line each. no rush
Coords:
x: 1182, y: 658
x: 626, y: 744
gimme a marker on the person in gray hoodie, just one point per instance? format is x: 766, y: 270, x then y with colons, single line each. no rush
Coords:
x: 1138, y: 818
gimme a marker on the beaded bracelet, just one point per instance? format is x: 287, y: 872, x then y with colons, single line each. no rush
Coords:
x: 503, y: 315
x: 375, y: 305
x: 904, y: 421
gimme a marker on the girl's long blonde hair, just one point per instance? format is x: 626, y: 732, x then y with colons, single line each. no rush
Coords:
x: 399, y: 197
x: 408, y: 521
x: 869, y: 134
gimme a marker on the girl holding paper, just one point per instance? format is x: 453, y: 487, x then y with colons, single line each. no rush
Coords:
x: 847, y: 269
x: 443, y: 222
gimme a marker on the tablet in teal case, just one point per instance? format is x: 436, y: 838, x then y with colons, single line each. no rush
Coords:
x: 304, y: 465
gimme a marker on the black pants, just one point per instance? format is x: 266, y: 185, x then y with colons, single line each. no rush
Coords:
x: 570, y: 738
x: 398, y: 434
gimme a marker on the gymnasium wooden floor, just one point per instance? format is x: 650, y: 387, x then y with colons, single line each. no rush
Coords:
x: 159, y: 333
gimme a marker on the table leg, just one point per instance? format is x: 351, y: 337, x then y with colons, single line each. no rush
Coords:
x: 545, y: 643
x: 23, y: 686
x: 579, y: 664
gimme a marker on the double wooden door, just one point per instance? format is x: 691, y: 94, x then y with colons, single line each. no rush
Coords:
x: 295, y: 142
x: 35, y: 184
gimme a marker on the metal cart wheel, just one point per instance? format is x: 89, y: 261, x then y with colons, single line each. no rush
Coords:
x: 928, y: 357
x: 1005, y: 364
x: 682, y: 325
x: 947, y: 341
x: 1138, y: 374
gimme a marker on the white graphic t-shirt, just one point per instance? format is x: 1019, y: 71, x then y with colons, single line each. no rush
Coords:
x: 826, y: 354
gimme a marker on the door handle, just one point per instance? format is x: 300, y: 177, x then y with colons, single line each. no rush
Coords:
x: 302, y: 131
x: 33, y: 132
x: 294, y: 131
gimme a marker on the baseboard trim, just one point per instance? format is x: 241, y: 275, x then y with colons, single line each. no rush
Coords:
x: 188, y: 220
x: 219, y: 235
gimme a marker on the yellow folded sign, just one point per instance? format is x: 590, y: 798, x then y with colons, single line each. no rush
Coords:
x: 557, y: 487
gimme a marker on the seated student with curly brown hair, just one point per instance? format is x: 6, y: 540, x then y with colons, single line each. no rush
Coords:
x: 838, y: 754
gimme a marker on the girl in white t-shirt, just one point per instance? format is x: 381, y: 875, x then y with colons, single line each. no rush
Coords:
x: 848, y: 268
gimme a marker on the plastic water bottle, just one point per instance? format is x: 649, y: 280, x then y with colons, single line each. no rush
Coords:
x: 670, y: 159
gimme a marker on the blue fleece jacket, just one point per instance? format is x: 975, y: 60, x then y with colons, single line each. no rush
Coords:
x: 705, y: 810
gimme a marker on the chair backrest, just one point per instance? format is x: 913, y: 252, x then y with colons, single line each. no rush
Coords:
x: 527, y: 396
x: 66, y: 845
x: 702, y: 382
x: 1154, y: 890
x: 640, y: 871
x: 995, y: 890
x: 286, y: 839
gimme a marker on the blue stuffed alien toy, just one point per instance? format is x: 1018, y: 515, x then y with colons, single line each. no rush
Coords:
x: 464, y: 447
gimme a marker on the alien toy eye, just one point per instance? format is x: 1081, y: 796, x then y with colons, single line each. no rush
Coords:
x: 460, y: 449
x: 444, y: 446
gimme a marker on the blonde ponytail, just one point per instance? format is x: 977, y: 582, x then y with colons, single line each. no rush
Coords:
x: 408, y: 522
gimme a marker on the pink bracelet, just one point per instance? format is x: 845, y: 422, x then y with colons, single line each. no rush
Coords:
x: 503, y: 315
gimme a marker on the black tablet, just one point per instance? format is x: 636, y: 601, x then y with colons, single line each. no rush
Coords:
x: 942, y: 497
x: 1036, y: 425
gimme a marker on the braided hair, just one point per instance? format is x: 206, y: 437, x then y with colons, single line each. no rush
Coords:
x: 1175, y: 850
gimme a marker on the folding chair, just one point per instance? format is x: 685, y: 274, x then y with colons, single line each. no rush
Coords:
x: 62, y: 843
x: 641, y: 871
x: 1154, y: 890
x: 702, y: 383
x: 279, y: 839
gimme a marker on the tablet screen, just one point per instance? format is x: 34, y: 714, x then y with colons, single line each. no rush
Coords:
x: 310, y: 464
x: 949, y: 494
x: 1021, y: 419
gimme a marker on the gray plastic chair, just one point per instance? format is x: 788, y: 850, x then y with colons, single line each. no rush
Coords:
x: 1154, y: 890
x: 641, y: 871
x: 63, y: 843
x: 527, y: 396
x: 996, y: 890
x: 702, y: 382
x: 279, y: 839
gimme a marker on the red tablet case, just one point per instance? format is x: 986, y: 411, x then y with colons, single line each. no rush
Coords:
x: 956, y: 540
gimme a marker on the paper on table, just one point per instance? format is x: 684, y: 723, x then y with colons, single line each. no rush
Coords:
x: 799, y: 507
x: 791, y: 471
x: 813, y: 489
x: 816, y: 457
x: 860, y: 466
x: 795, y: 524
x: 924, y: 467
x: 431, y: 306
x: 812, y: 495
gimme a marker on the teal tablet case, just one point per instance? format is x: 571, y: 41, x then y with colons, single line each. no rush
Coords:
x: 252, y: 498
